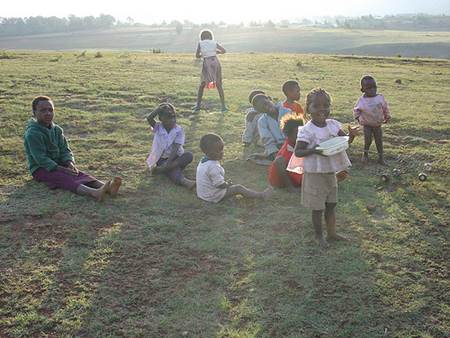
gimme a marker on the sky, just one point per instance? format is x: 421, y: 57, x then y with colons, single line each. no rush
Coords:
x: 230, y: 11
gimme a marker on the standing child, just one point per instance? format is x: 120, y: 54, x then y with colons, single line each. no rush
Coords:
x: 371, y: 111
x: 278, y: 175
x: 211, y: 76
x: 268, y: 125
x: 211, y: 184
x: 291, y: 89
x: 319, y: 184
x: 251, y: 121
x: 167, y: 155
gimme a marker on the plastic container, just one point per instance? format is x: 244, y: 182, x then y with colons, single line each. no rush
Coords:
x: 334, y: 146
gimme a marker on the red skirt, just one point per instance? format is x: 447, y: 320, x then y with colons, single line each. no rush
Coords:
x: 62, y: 180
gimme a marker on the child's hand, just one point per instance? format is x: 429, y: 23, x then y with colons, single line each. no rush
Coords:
x: 387, y: 119
x: 318, y: 151
x: 353, y: 131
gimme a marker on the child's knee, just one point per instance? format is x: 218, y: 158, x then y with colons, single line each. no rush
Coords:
x: 330, y: 206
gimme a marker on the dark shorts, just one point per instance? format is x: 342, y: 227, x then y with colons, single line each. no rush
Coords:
x: 62, y: 180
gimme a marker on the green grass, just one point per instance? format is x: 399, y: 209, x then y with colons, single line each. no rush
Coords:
x: 159, y: 262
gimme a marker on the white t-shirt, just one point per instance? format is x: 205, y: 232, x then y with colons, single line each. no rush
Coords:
x: 313, y: 135
x: 210, y: 175
x: 208, y: 48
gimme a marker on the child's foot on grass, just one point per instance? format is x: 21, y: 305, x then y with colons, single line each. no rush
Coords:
x: 195, y: 109
x: 336, y: 238
x: 224, y: 109
x: 381, y: 161
x: 321, y: 242
x: 365, y: 159
x: 185, y: 182
x: 267, y: 193
x: 115, y: 186
x: 100, y: 193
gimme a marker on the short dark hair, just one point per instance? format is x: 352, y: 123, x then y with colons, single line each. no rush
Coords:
x: 208, y: 140
x: 165, y: 109
x: 314, y: 93
x: 38, y: 99
x: 366, y: 77
x: 206, y: 34
x: 288, y: 85
x: 253, y: 93
x: 258, y: 97
x: 289, y: 122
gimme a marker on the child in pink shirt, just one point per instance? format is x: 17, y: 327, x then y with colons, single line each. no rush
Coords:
x: 371, y: 111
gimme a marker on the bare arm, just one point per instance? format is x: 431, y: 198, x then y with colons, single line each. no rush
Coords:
x: 151, y: 118
x: 302, y: 151
x: 198, y: 53
x: 220, y: 49
x: 352, y: 132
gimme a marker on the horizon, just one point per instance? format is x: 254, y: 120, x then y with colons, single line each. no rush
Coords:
x: 250, y: 11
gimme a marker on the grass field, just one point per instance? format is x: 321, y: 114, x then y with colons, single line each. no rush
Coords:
x: 157, y: 261
x: 256, y: 39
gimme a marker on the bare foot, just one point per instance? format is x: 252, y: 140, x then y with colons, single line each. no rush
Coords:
x: 337, y: 238
x: 381, y: 161
x: 101, y: 192
x: 190, y: 184
x: 321, y: 242
x: 114, y: 186
x: 365, y: 159
x: 267, y: 193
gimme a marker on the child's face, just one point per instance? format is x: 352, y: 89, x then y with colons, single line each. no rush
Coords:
x: 319, y: 109
x: 293, y: 93
x: 44, y: 112
x: 168, y: 121
x: 215, y: 152
x: 265, y: 105
x: 369, y: 87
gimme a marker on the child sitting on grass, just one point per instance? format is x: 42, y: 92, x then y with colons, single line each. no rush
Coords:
x: 211, y: 184
x: 251, y: 121
x: 268, y: 125
x: 50, y: 159
x: 291, y: 89
x: 319, y: 184
x: 279, y: 177
x: 167, y: 155
x: 371, y: 111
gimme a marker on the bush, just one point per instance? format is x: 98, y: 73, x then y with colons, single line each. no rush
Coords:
x: 98, y: 55
x: 5, y: 55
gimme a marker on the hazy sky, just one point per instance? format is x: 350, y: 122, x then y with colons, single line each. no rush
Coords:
x: 148, y: 11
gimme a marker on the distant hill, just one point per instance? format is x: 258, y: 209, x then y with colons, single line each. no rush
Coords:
x: 247, y: 39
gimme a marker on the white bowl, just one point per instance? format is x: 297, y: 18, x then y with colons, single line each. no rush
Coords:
x: 334, y: 145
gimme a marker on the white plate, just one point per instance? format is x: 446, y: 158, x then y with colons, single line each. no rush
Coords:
x: 334, y: 145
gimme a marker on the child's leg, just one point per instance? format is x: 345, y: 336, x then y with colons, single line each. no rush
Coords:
x: 330, y: 219
x: 221, y: 95
x: 176, y: 172
x: 378, y: 136
x: 239, y: 189
x: 367, y: 142
x: 199, y: 95
x: 317, y: 223
x: 98, y: 194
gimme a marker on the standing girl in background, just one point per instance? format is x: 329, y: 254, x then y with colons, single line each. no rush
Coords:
x: 211, y: 76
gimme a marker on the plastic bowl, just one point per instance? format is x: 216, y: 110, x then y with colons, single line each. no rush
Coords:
x: 334, y: 145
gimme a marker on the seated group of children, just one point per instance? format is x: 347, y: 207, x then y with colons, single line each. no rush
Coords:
x: 282, y: 128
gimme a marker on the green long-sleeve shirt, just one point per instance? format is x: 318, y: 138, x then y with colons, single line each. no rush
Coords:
x: 45, y: 147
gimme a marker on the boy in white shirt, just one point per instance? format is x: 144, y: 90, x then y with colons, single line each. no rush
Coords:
x: 211, y: 184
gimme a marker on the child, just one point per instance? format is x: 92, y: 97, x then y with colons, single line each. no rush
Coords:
x: 291, y: 90
x: 50, y: 159
x: 211, y: 184
x: 167, y: 155
x: 211, y: 76
x: 371, y: 111
x: 268, y: 125
x: 278, y: 175
x: 251, y: 121
x: 319, y: 184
